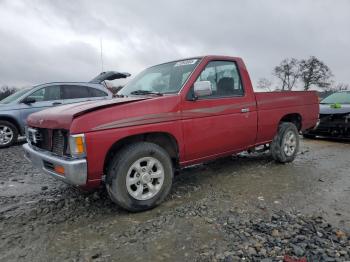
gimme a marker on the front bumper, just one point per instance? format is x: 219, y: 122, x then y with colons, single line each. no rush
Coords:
x: 75, y: 170
x: 332, y: 126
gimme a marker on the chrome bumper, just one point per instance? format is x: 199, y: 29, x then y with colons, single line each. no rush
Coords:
x: 75, y: 170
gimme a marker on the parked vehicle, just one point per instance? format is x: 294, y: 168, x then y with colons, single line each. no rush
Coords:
x: 334, y: 117
x: 170, y: 116
x: 15, y: 108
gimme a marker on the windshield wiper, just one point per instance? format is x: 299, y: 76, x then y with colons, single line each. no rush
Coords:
x: 145, y: 92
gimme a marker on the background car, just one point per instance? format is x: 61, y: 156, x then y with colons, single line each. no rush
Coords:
x: 334, y: 117
x: 15, y: 108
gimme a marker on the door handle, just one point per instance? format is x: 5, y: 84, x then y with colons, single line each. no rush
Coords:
x: 56, y: 103
x: 245, y: 110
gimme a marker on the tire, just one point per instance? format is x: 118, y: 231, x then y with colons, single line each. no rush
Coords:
x: 309, y: 136
x: 8, y: 134
x: 143, y: 189
x: 285, y: 145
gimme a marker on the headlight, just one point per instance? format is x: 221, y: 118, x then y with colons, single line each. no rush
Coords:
x: 77, y: 145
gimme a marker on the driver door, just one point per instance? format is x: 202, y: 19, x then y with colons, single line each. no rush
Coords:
x: 222, y: 122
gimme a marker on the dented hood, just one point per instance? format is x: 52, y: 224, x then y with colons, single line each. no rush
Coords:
x: 62, y: 116
x: 328, y: 109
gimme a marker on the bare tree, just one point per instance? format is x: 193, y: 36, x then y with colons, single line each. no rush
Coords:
x: 341, y: 87
x: 264, y: 83
x: 5, y: 91
x: 314, y: 72
x: 288, y: 72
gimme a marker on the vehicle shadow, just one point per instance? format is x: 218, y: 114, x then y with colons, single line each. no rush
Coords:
x: 189, y: 184
x: 330, y: 139
x: 18, y: 143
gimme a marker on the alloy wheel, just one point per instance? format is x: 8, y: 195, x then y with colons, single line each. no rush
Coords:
x: 145, y: 178
x: 6, y: 135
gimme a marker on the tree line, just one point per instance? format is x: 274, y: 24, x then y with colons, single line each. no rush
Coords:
x: 309, y: 73
x: 5, y: 91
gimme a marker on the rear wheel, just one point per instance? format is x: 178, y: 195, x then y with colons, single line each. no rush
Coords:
x: 140, y: 176
x: 285, y: 144
x: 8, y: 134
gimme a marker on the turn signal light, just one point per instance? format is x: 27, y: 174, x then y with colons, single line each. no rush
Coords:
x: 77, y: 145
x: 59, y: 170
x: 79, y: 142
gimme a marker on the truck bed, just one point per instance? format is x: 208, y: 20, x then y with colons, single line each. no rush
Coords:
x: 271, y: 105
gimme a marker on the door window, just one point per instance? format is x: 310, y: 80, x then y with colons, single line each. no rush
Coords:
x: 96, y: 93
x: 224, y: 78
x: 49, y: 93
x: 74, y: 92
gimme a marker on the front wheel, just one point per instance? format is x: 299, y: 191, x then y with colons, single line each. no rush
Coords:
x: 140, y: 176
x: 285, y: 145
x: 8, y: 134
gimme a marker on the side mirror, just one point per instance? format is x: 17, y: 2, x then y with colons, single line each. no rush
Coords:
x: 28, y: 100
x: 202, y: 88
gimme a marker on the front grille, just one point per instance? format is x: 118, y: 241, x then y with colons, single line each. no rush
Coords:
x: 334, y: 120
x: 334, y: 125
x: 34, y: 135
x: 39, y: 137
x: 334, y: 117
x: 58, y: 142
x: 53, y: 140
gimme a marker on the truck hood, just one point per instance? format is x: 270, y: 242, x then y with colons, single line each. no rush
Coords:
x: 60, y: 117
x: 327, y: 109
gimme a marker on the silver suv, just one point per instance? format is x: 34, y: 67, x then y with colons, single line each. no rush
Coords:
x: 15, y: 108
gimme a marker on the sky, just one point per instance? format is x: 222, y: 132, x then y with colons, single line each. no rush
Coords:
x: 45, y: 41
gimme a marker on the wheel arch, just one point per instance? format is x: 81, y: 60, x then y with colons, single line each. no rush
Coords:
x: 164, y: 139
x: 294, y: 118
x: 13, y: 121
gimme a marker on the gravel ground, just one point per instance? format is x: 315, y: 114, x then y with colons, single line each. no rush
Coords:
x: 244, y: 208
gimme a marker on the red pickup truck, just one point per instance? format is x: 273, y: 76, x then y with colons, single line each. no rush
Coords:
x: 169, y: 116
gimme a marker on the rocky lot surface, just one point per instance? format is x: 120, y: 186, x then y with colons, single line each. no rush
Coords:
x: 244, y: 208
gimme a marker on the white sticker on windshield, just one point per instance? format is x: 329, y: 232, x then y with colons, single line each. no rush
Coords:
x: 186, y: 62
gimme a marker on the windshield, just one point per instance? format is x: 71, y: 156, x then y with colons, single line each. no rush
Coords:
x: 161, y: 79
x: 14, y: 96
x: 341, y: 98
